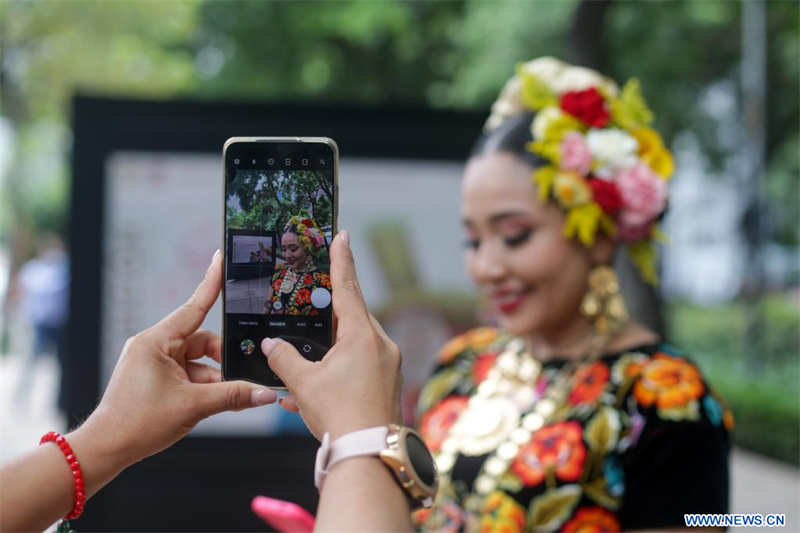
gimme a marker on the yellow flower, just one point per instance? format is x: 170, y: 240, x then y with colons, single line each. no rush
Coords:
x: 502, y: 514
x: 653, y: 152
x: 550, y: 133
x: 535, y: 94
x: 585, y: 220
x: 544, y: 177
x: 571, y: 190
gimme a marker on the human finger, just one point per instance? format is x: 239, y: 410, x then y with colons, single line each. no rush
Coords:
x: 201, y: 373
x: 348, y: 302
x: 213, y: 398
x: 289, y: 403
x: 203, y: 342
x: 285, y: 361
x: 185, y: 320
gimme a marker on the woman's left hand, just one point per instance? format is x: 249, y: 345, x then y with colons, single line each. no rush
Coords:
x: 158, y: 392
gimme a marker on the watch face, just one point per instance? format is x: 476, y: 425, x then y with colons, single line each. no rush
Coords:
x: 421, y: 459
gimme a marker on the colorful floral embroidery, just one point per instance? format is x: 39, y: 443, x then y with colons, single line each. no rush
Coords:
x: 299, y: 298
x: 590, y: 381
x: 558, y: 448
x: 569, y: 474
x: 445, y: 517
x: 483, y: 363
x: 302, y: 297
x: 551, y: 509
x: 437, y: 422
x: 502, y: 514
x: 627, y: 366
x: 668, y: 382
x: 476, y: 339
x: 592, y: 520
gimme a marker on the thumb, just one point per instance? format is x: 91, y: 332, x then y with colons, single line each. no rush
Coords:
x: 285, y: 361
x: 213, y: 398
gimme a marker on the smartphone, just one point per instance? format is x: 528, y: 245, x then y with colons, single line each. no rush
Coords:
x: 280, y: 205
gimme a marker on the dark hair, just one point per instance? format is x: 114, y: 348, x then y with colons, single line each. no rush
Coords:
x: 511, y: 136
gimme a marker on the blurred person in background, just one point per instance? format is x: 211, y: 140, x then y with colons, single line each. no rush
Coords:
x: 41, y: 291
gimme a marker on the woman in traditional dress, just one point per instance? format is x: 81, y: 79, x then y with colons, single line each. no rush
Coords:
x: 295, y: 280
x: 570, y: 416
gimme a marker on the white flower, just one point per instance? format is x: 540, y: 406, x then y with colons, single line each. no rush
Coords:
x: 543, y: 119
x: 613, y: 150
x: 562, y: 77
x: 507, y: 105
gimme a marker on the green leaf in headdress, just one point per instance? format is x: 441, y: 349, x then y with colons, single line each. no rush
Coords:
x: 629, y: 110
x: 644, y: 254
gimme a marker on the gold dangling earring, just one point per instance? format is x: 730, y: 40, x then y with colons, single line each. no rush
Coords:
x: 603, y: 302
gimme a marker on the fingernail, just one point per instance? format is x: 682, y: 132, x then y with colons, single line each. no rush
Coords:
x: 345, y: 236
x: 267, y: 345
x: 262, y: 396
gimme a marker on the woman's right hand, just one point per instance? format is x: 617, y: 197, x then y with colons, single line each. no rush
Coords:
x: 357, y: 384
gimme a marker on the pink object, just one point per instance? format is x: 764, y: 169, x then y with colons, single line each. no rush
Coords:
x: 575, y: 155
x: 282, y: 515
x: 644, y: 197
x: 631, y: 232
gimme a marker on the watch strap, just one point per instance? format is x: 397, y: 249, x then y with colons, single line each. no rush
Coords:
x: 371, y: 441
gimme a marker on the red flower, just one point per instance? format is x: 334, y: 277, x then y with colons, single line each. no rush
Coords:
x: 587, y: 105
x: 325, y: 280
x: 307, y: 222
x: 483, y: 363
x: 308, y: 279
x: 592, y: 520
x: 276, y: 285
x: 557, y: 447
x: 302, y: 297
x: 589, y: 383
x: 439, y: 419
x: 606, y: 194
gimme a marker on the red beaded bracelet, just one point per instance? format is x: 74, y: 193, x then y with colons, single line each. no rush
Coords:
x: 77, y: 474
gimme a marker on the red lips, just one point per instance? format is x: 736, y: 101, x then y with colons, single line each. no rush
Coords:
x: 508, y: 301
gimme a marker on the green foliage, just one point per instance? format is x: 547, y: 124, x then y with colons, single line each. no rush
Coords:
x: 270, y: 199
x: 765, y: 396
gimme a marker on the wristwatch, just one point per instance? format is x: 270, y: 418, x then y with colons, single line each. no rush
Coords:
x: 400, y: 448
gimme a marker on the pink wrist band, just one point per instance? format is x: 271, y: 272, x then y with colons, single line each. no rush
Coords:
x: 358, y: 443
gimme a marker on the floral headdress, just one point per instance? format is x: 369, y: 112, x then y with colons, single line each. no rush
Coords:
x: 308, y: 232
x: 605, y: 167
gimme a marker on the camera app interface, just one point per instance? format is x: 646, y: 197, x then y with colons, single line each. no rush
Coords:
x: 278, y: 225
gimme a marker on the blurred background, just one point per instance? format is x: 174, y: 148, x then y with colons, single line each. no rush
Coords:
x: 723, y: 78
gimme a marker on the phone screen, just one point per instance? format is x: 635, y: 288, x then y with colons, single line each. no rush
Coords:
x: 280, y: 216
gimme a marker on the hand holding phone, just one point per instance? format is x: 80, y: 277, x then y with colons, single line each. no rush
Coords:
x: 358, y: 383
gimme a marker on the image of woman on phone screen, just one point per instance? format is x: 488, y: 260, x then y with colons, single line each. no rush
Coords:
x: 300, y: 285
